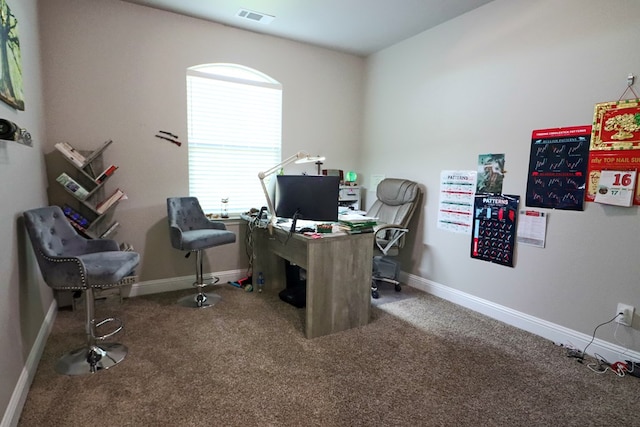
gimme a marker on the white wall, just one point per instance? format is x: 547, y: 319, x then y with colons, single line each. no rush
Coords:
x: 480, y: 84
x: 116, y: 71
x: 24, y: 299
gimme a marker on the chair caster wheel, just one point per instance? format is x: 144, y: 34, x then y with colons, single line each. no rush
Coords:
x: 398, y: 288
x: 375, y: 294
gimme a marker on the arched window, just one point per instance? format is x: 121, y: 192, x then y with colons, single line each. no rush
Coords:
x: 234, y: 120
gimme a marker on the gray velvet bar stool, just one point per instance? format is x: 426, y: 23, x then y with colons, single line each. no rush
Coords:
x: 69, y: 261
x: 190, y: 230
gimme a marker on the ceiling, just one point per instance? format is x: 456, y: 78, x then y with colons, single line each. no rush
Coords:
x: 359, y: 27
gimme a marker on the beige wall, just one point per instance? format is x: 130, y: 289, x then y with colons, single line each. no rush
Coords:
x: 116, y: 71
x: 480, y: 84
x: 24, y: 299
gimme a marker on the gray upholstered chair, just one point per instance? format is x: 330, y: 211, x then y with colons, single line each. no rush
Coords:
x: 396, y: 202
x: 190, y: 230
x: 68, y: 261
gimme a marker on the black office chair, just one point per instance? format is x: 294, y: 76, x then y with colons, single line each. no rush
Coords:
x: 69, y: 261
x: 190, y: 230
x: 396, y: 202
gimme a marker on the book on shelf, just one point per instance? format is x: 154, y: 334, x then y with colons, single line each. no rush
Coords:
x: 109, y: 201
x: 110, y: 230
x: 75, y: 216
x: 78, y: 227
x: 106, y: 173
x: 70, y: 184
x: 126, y: 247
x: 71, y: 153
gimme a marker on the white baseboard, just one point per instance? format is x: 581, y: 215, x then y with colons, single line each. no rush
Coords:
x: 540, y: 327
x: 185, y: 282
x: 19, y: 396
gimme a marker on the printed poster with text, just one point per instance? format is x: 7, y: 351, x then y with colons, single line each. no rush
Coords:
x: 494, y: 228
x: 612, y: 160
x: 455, y: 208
x: 558, y: 168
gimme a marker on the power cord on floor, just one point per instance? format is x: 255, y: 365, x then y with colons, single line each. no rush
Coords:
x: 593, y: 337
x: 632, y: 367
x: 602, y: 365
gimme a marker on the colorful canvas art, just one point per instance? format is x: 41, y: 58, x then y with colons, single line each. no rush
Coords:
x: 10, y: 59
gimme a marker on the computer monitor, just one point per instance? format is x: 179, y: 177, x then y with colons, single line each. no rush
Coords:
x: 308, y: 197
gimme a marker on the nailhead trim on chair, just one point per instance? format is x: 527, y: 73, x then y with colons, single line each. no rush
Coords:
x: 82, y: 276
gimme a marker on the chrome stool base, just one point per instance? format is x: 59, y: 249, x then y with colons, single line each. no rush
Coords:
x: 91, y: 359
x: 200, y: 300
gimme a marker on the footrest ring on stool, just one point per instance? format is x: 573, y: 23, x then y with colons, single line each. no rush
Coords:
x: 95, y: 326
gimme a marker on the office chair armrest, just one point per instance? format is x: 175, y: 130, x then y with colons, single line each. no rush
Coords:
x: 101, y: 245
x: 175, y: 235
x: 390, y: 234
x: 63, y: 272
x: 216, y: 225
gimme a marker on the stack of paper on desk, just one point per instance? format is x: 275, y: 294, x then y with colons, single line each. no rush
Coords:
x: 357, y: 223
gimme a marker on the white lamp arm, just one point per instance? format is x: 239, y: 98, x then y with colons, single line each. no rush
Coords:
x: 299, y: 155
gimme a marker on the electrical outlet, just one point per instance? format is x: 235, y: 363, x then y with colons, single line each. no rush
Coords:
x: 627, y: 314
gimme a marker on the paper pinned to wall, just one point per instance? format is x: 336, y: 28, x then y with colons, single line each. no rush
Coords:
x: 532, y: 228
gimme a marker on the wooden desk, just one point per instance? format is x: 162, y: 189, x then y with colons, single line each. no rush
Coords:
x: 338, y: 275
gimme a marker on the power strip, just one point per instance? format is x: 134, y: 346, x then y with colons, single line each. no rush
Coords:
x: 633, y: 368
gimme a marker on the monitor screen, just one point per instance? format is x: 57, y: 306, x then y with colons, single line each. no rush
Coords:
x: 311, y: 197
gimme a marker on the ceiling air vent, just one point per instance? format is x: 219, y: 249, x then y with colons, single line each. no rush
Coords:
x: 251, y: 15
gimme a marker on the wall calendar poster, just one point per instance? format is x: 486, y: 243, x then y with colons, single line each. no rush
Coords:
x: 616, y: 188
x: 558, y: 168
x: 494, y: 228
x: 455, y: 207
x: 611, y: 160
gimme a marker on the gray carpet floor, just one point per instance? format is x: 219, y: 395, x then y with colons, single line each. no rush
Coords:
x: 421, y: 361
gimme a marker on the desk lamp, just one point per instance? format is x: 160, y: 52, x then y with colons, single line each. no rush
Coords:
x: 299, y: 157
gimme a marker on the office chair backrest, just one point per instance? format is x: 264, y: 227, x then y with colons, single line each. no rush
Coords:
x: 186, y: 213
x: 51, y: 233
x: 396, y: 201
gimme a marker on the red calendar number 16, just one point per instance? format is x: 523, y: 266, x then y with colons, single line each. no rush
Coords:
x: 624, y: 180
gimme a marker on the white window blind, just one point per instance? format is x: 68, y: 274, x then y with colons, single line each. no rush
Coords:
x: 234, y: 123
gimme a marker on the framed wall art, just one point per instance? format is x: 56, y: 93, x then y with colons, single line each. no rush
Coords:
x: 616, y: 125
x: 10, y: 59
